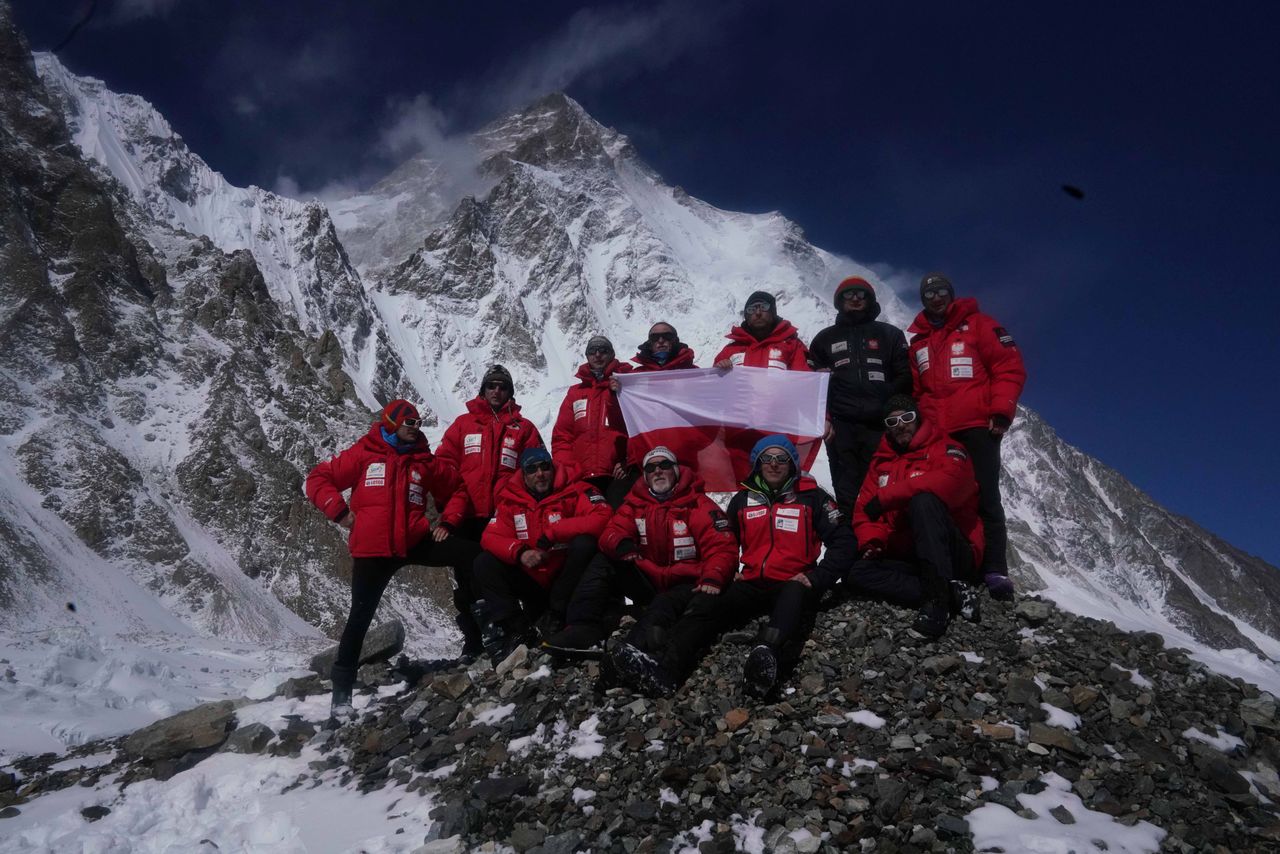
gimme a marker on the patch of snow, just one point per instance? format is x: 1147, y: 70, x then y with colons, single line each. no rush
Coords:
x: 582, y: 795
x: 587, y: 742
x: 1224, y: 741
x: 1060, y: 717
x: 865, y: 718
x: 972, y: 657
x: 493, y: 716
x: 998, y: 828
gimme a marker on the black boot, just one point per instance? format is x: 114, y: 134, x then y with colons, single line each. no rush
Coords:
x: 340, y: 708
x: 640, y: 671
x: 933, y: 619
x: 760, y: 673
x: 964, y: 601
x: 472, y: 637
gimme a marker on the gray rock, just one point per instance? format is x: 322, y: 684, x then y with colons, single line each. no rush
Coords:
x: 890, y: 793
x: 1033, y: 613
x: 300, y: 687
x: 518, y: 657
x: 382, y: 642
x: 95, y: 812
x: 452, y: 845
x: 1052, y: 736
x: 1063, y: 815
x: 940, y: 664
x: 200, y: 728
x: 1260, y: 711
x: 950, y: 826
x: 252, y: 738
x: 10, y: 812
x: 1022, y: 691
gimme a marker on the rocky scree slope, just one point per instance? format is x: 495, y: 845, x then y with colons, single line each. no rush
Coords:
x: 877, y: 736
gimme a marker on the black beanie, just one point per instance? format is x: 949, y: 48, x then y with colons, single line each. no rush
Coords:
x: 762, y: 296
x: 497, y: 373
x: 935, y: 280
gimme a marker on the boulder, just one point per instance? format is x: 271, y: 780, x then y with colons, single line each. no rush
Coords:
x: 382, y: 642
x: 201, y: 728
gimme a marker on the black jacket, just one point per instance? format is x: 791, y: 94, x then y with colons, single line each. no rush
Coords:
x: 868, y: 362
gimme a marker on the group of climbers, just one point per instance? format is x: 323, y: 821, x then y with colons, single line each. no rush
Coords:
x: 550, y: 546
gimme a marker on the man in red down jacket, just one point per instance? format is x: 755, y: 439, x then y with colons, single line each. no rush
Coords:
x: 390, y: 472
x: 782, y: 520
x: 917, y: 522
x: 536, y: 548
x: 967, y: 374
x: 667, y: 535
x: 764, y: 340
x: 484, y: 444
x: 663, y: 350
x: 590, y: 431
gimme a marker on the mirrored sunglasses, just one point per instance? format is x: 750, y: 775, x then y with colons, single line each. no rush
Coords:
x: 904, y: 418
x: 659, y: 465
x: 757, y: 308
x: 541, y: 465
x: 779, y: 459
x: 933, y: 293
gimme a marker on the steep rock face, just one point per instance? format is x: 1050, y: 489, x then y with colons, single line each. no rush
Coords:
x: 161, y: 405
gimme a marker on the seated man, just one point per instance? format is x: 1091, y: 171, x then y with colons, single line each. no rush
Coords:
x: 781, y: 519
x: 667, y: 536
x: 536, y: 548
x: 917, y: 522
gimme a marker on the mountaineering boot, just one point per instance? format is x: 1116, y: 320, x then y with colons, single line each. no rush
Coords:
x: 760, y: 672
x: 340, y: 708
x: 999, y: 585
x: 964, y: 601
x: 932, y: 620
x: 640, y: 671
x: 469, y: 625
x: 581, y: 636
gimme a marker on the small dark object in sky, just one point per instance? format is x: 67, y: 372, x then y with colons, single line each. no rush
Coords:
x: 91, y: 7
x: 1073, y: 192
x: 71, y: 606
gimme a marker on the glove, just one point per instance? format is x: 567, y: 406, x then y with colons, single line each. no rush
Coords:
x: 544, y: 543
x: 873, y: 509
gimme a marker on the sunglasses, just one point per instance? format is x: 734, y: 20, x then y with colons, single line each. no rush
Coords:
x: 596, y: 351
x: 777, y: 459
x: 853, y: 294
x: 757, y: 308
x: 495, y: 384
x: 410, y: 422
x: 655, y: 337
x: 932, y: 293
x: 534, y: 468
x: 660, y: 465
x: 904, y: 418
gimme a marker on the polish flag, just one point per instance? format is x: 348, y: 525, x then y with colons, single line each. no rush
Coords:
x: 711, y: 418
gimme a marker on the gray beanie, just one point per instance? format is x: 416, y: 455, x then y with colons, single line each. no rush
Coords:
x: 933, y: 281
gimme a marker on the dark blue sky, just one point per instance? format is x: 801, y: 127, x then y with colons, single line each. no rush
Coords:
x: 920, y: 136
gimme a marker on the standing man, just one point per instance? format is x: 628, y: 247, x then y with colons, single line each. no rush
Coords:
x: 484, y: 444
x: 764, y: 340
x: 590, y: 431
x: 917, y: 522
x: 867, y: 360
x: 390, y: 471
x: 667, y: 537
x: 968, y: 375
x: 663, y: 350
x: 782, y: 519
x: 536, y: 548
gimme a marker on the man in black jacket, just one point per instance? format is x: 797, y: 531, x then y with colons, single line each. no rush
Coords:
x: 868, y: 364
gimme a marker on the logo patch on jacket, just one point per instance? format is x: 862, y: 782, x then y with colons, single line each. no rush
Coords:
x: 957, y: 452
x: 756, y: 514
x: 594, y: 497
x: 579, y: 409
x: 415, y: 475
x: 552, y: 518
x: 509, y: 441
x: 1005, y: 338
x: 678, y: 527
x: 957, y: 348
x: 375, y: 474
x: 873, y: 343
x: 922, y: 359
x: 786, y: 523
x: 685, y: 548
x: 522, y: 526
x: 839, y: 347
x: 719, y: 520
x: 882, y: 480
x: 472, y: 443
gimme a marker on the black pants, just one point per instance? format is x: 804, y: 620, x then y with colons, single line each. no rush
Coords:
x: 598, y: 602
x: 464, y: 591
x: 984, y: 450
x: 942, y: 554
x: 849, y: 452
x: 514, y: 600
x: 681, y: 623
x: 369, y: 579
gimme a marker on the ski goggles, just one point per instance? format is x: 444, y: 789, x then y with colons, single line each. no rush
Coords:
x: 777, y: 459
x: 904, y: 418
x: 855, y: 293
x: 933, y: 293
x: 757, y: 308
x: 540, y: 465
x: 660, y: 465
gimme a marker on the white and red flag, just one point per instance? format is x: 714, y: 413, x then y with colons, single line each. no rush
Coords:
x: 711, y: 418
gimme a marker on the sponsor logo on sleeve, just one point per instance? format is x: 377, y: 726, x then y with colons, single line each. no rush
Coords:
x: 882, y: 480
x: 594, y: 497
x: 957, y: 452
x: 719, y: 520
x: 1005, y: 338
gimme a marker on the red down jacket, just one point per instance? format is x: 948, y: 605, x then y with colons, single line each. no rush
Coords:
x: 589, y: 431
x: 522, y: 521
x: 966, y: 370
x: 685, y: 538
x: 388, y: 493
x: 933, y: 463
x: 485, y: 447
x: 681, y: 359
x: 781, y: 348
x: 782, y: 537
